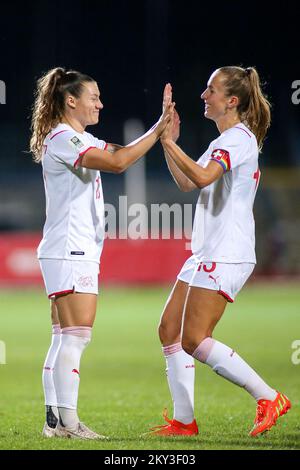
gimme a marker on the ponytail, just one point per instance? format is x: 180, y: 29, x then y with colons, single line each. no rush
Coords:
x: 253, y: 107
x: 49, y: 105
x: 258, y: 114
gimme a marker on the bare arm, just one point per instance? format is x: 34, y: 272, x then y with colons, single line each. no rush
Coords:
x: 200, y: 176
x: 182, y: 181
x: 116, y: 159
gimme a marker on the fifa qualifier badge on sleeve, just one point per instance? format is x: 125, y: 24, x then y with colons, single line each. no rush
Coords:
x: 76, y: 143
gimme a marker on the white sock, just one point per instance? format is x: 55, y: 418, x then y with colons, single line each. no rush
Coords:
x: 181, y: 377
x: 227, y: 363
x: 68, y: 418
x: 66, y: 371
x: 47, y: 376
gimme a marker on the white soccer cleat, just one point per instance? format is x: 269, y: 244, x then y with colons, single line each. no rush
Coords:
x: 81, y: 431
x: 48, y: 432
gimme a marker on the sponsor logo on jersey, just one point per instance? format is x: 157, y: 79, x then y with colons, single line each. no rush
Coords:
x: 77, y: 252
x: 75, y: 142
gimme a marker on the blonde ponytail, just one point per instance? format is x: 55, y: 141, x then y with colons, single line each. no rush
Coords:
x: 253, y: 107
x: 258, y: 114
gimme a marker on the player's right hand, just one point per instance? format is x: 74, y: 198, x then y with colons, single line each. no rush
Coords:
x: 175, y: 132
x: 166, y: 119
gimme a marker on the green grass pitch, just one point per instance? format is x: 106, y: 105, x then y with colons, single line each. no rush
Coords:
x: 123, y: 387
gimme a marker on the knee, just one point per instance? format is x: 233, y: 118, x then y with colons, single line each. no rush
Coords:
x: 163, y: 331
x: 190, y: 344
x: 77, y: 336
x: 167, y: 333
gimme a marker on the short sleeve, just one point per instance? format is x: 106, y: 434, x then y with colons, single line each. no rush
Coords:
x: 230, y: 150
x: 204, y: 157
x: 100, y: 144
x: 70, y: 146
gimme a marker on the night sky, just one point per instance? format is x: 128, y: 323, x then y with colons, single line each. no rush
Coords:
x: 132, y: 49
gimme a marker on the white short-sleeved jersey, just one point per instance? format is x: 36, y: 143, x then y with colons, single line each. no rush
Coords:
x: 74, y: 227
x: 224, y: 229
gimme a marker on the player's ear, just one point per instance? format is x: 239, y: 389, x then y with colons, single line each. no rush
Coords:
x: 233, y: 102
x: 71, y: 101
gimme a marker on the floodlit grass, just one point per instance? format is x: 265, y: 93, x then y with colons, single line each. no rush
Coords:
x: 123, y: 385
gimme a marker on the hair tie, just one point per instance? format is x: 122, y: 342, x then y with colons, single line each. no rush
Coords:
x: 60, y: 75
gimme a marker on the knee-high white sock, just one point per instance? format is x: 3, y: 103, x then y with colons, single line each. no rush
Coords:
x: 47, y: 376
x: 181, y: 376
x: 227, y: 363
x: 66, y: 371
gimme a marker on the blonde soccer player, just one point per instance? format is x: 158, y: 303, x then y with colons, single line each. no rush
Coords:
x: 69, y: 253
x: 223, y: 247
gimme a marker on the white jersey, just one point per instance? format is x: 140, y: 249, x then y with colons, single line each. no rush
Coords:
x: 74, y: 227
x: 224, y: 229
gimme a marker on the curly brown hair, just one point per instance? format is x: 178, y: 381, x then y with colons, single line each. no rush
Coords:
x: 49, y: 105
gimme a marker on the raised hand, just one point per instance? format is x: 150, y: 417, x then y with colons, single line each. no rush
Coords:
x: 165, y: 120
x: 172, y: 130
x: 167, y: 96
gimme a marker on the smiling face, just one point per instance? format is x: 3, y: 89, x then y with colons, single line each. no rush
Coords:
x: 86, y: 108
x: 216, y: 102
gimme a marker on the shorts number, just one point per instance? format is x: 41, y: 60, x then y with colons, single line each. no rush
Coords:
x: 206, y: 269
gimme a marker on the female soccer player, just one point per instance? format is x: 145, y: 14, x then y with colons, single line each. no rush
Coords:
x: 223, y: 246
x: 69, y: 253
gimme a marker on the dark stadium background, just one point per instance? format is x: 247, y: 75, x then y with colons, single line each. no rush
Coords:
x: 132, y: 48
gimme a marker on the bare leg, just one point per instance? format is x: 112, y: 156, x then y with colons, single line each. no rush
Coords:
x: 76, y: 309
x: 169, y: 329
x: 203, y: 310
x: 54, y: 313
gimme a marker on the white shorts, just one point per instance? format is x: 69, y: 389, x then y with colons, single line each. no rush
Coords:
x: 226, y: 278
x: 65, y: 276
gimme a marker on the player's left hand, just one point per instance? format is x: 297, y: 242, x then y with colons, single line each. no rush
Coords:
x: 167, y: 96
x: 172, y: 131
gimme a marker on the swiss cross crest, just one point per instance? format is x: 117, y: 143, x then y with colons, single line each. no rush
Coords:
x: 218, y: 154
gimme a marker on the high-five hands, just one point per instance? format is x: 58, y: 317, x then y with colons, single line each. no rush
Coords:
x: 167, y: 96
x: 165, y: 119
x: 172, y: 130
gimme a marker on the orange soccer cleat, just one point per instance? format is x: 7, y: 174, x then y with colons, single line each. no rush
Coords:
x: 173, y: 428
x: 268, y: 412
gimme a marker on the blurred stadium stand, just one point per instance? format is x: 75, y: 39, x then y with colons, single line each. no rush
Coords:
x: 277, y: 214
